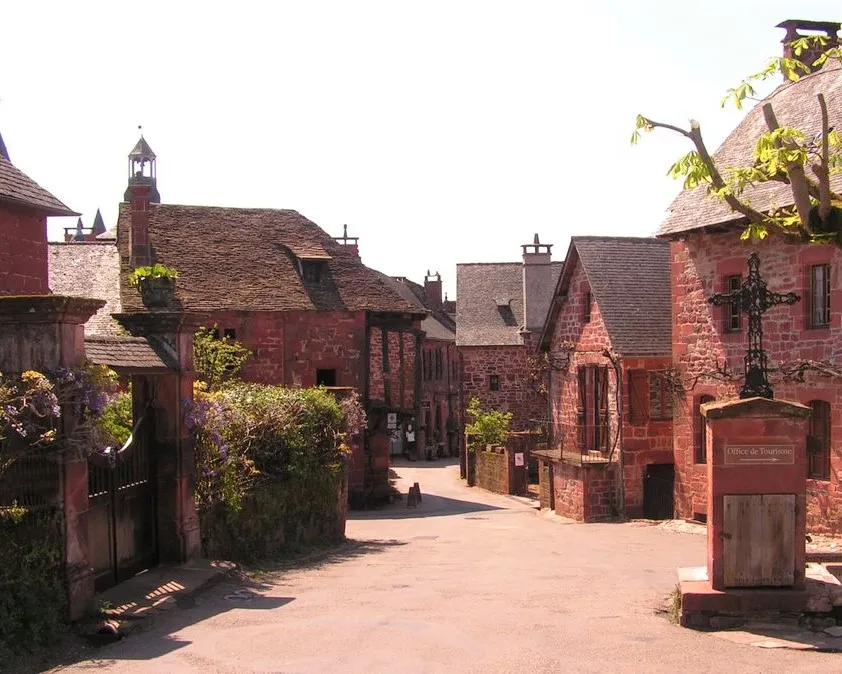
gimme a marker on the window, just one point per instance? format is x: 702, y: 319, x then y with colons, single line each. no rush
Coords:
x: 638, y: 397
x: 439, y: 368
x: 820, y: 296
x: 215, y: 332
x: 588, y: 302
x: 731, y: 309
x: 326, y: 377
x: 660, y: 397
x: 592, y: 408
x: 701, y: 451
x: 311, y: 271
x: 494, y: 382
x: 230, y: 333
x: 818, y: 441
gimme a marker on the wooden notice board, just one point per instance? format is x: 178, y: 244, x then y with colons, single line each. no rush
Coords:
x: 759, y: 540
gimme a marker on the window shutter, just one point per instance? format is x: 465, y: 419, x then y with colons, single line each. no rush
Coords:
x: 601, y: 385
x: 581, y: 406
x: 638, y: 397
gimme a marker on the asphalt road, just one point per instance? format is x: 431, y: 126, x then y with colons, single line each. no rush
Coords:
x: 466, y: 582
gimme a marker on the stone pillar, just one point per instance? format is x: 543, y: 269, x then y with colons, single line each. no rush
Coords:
x: 45, y: 333
x: 757, y: 484
x: 172, y: 442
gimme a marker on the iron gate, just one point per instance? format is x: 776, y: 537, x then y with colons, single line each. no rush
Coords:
x: 122, y: 538
x: 658, y: 486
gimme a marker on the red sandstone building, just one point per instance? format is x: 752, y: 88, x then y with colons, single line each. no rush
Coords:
x: 607, y: 338
x: 304, y: 304
x: 438, y: 424
x: 500, y: 313
x: 709, y: 343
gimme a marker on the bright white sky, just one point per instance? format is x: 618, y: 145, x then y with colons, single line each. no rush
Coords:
x: 439, y: 131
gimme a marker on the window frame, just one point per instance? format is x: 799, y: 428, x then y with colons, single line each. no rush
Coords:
x: 732, y: 314
x: 823, y: 295
x: 586, y: 315
x: 819, y: 459
x: 494, y: 382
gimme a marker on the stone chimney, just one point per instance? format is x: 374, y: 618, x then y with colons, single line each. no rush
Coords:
x: 432, y: 287
x: 798, y: 28
x: 141, y: 253
x: 351, y: 243
x: 537, y: 283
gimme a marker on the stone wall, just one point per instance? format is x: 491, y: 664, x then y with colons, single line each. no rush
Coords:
x: 493, y: 470
x: 700, y: 266
x: 23, y: 251
x: 517, y: 393
x: 586, y: 492
x: 439, y: 393
x: 544, y: 487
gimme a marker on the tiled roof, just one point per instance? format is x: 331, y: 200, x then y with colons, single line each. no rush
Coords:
x: 17, y: 187
x: 489, y: 303
x: 142, y: 150
x: 145, y: 353
x: 629, y: 279
x: 795, y: 105
x: 89, y: 269
x: 437, y: 324
x: 248, y: 259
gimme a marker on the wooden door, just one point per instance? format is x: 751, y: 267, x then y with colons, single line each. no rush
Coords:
x: 759, y: 540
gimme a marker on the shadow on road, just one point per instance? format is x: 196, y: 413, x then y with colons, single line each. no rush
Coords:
x: 156, y: 635
x: 430, y: 506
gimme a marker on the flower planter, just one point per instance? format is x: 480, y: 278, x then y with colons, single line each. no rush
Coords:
x: 157, y: 292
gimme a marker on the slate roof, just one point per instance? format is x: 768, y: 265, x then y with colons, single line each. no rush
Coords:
x: 437, y: 324
x: 248, y: 259
x: 141, y: 150
x: 16, y: 187
x: 629, y: 279
x: 138, y: 353
x: 489, y: 302
x: 795, y: 105
x: 89, y: 269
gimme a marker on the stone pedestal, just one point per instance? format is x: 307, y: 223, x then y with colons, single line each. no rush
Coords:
x: 45, y: 333
x: 757, y: 484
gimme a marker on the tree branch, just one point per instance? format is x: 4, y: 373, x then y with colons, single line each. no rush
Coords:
x: 797, y: 177
x: 823, y: 170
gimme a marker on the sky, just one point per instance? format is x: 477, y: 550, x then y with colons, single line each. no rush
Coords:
x: 439, y: 132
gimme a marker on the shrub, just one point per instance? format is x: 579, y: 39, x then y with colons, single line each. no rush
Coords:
x: 157, y: 270
x: 488, y: 427
x: 217, y: 361
x: 32, y: 593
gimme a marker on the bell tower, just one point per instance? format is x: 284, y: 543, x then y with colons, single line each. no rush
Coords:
x: 142, y: 171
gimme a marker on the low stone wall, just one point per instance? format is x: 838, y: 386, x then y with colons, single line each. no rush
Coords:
x: 493, y: 470
x: 583, y: 492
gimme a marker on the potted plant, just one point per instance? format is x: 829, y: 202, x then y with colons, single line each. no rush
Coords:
x: 156, y: 284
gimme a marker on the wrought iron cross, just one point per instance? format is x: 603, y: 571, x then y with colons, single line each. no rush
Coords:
x: 754, y: 299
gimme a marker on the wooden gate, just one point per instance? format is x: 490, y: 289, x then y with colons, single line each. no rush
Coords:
x: 122, y: 538
x: 759, y: 540
x: 658, y: 489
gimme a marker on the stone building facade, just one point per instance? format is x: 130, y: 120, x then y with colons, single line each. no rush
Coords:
x: 304, y: 304
x: 803, y: 342
x: 500, y: 312
x: 607, y: 344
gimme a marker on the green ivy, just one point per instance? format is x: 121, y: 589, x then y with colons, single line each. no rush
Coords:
x: 216, y: 360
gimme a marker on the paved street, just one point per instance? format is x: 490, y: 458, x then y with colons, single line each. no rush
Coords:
x: 467, y: 582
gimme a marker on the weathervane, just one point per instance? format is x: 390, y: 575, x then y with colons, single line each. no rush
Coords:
x: 754, y: 299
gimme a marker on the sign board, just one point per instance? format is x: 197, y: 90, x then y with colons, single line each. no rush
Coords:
x: 392, y: 420
x: 759, y: 455
x: 518, y: 458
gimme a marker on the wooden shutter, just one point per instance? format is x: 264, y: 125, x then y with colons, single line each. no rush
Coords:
x: 601, y: 386
x: 638, y: 397
x: 581, y: 406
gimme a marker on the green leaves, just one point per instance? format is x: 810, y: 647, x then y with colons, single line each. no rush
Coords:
x: 217, y: 361
x: 692, y: 168
x: 157, y: 270
x: 640, y: 124
x: 488, y: 427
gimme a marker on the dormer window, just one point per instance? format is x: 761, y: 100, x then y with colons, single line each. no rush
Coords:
x: 311, y: 271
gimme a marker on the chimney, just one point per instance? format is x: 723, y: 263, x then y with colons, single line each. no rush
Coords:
x: 351, y: 243
x: 432, y: 287
x: 798, y: 28
x: 537, y: 283
x: 141, y: 254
